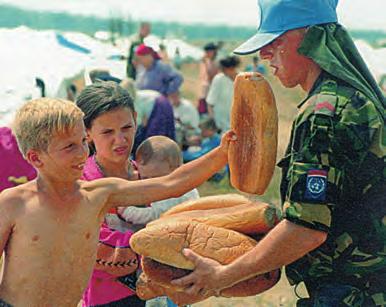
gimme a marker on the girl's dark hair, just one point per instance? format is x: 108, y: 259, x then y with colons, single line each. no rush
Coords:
x: 230, y: 61
x: 101, y: 97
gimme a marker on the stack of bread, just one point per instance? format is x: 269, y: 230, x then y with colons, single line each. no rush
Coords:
x: 222, y: 227
x: 219, y: 227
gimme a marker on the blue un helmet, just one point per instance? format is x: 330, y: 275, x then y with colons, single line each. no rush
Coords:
x: 280, y: 16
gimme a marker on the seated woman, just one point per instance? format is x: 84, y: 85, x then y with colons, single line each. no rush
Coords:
x: 209, y: 139
x: 154, y: 115
x: 186, y: 119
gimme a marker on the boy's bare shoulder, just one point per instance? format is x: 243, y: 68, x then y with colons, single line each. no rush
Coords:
x: 13, y: 199
x: 19, y: 192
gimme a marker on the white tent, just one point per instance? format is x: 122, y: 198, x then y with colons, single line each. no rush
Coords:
x: 26, y: 54
x: 186, y: 50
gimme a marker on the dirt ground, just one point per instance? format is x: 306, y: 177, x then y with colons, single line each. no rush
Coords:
x: 280, y: 295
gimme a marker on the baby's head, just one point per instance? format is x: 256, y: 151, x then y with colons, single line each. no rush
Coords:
x: 158, y: 156
x: 51, y: 132
x: 110, y: 119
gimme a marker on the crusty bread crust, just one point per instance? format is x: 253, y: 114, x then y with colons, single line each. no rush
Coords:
x: 254, y: 119
x: 248, y: 218
x: 209, y: 202
x: 157, y: 277
x: 164, y: 242
x: 147, y: 289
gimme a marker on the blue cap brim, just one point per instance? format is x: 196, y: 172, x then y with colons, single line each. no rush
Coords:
x: 256, y: 42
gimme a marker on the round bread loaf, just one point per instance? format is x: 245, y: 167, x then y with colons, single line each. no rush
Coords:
x: 254, y: 119
x: 164, y: 243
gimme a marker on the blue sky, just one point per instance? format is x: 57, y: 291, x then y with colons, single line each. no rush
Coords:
x: 354, y: 14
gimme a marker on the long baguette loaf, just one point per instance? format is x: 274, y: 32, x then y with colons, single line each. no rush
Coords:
x: 164, y: 243
x: 162, y: 275
x: 208, y: 202
x: 248, y: 218
x: 254, y: 119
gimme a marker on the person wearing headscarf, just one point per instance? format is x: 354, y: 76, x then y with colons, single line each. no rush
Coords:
x: 332, y: 236
x: 155, y: 75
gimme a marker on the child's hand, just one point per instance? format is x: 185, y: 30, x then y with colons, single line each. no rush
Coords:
x: 227, y: 137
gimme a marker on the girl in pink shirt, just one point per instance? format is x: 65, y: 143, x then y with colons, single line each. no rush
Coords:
x: 110, y: 121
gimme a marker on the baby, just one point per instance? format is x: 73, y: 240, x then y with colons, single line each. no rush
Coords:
x: 156, y: 156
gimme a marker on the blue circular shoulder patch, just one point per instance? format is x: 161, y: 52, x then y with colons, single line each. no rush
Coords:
x: 316, y: 185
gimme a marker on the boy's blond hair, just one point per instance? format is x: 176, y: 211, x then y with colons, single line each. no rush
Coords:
x: 39, y: 119
x: 159, y: 148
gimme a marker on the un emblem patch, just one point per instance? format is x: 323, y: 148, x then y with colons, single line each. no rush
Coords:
x: 316, y: 185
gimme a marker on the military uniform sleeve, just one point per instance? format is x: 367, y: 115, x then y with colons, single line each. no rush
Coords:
x: 332, y: 146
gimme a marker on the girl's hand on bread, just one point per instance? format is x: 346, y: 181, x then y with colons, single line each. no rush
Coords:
x: 207, y: 279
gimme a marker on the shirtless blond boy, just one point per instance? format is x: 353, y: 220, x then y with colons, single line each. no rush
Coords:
x: 49, y: 226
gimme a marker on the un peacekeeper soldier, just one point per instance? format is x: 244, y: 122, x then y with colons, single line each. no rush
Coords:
x: 333, y: 233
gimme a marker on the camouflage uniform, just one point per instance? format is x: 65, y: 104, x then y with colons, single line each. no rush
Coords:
x: 334, y: 181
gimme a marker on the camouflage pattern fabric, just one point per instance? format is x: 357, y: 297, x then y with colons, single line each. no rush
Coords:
x: 334, y: 181
x: 4, y: 304
x: 331, y: 47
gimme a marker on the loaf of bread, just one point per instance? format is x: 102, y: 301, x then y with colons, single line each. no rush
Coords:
x: 164, y: 242
x: 248, y: 218
x: 254, y: 119
x: 157, y: 277
x: 208, y: 202
x: 163, y: 274
x: 147, y: 289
